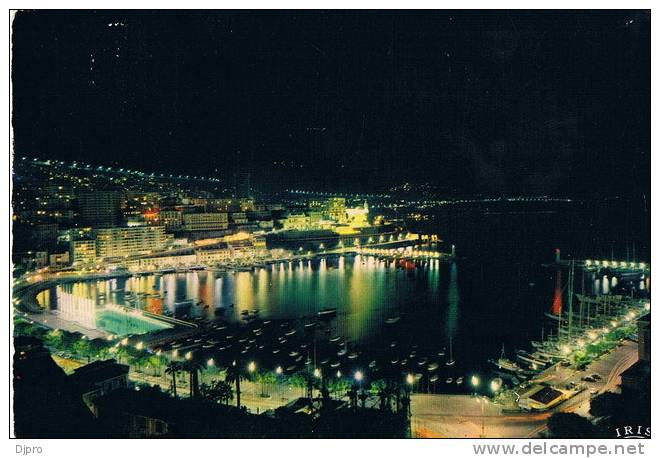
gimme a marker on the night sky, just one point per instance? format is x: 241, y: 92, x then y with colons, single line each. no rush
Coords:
x: 471, y: 102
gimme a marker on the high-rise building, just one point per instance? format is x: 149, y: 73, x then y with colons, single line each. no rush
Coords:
x: 242, y: 186
x: 44, y: 235
x: 171, y: 219
x: 100, y: 209
x: 127, y: 241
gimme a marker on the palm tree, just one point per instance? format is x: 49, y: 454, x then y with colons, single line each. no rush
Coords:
x: 217, y: 391
x: 193, y: 367
x: 338, y: 386
x: 352, y: 396
x: 235, y: 373
x: 173, y: 368
x: 363, y: 398
x: 82, y: 348
x: 54, y: 339
x: 310, y: 381
x: 121, y: 353
x: 381, y: 389
x: 265, y: 379
x: 99, y: 348
x: 155, y: 362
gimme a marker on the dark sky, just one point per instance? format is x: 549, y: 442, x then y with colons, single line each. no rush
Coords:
x: 473, y: 102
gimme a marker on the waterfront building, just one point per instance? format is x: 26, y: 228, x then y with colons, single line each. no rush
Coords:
x: 161, y: 262
x: 245, y: 249
x: 542, y: 398
x: 82, y: 251
x: 126, y: 241
x: 207, y: 256
x: 205, y: 221
x: 100, y: 209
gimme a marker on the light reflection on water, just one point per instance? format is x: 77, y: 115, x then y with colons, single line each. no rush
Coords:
x: 365, y: 290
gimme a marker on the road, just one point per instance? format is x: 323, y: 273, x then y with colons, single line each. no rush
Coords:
x: 442, y: 415
x: 459, y: 416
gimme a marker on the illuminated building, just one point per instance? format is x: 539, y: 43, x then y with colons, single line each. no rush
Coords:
x: 205, y: 221
x: 126, y: 241
x: 335, y: 209
x: 161, y: 262
x: 297, y: 222
x: 82, y: 251
x: 59, y: 259
x: 208, y: 256
x: 358, y: 216
x: 316, y: 205
x: 315, y: 217
x: 247, y: 205
x: 238, y: 218
x: 171, y: 219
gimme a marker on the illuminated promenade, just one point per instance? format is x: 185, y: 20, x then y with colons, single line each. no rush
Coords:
x: 460, y: 416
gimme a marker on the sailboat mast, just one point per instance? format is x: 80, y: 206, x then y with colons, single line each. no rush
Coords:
x: 571, y: 277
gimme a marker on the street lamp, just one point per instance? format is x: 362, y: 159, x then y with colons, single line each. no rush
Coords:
x: 475, y: 381
x: 189, y: 355
x: 278, y: 370
x: 410, y: 379
x: 317, y: 373
x: 210, y: 363
x: 483, y: 401
x: 252, y: 366
x: 495, y: 385
x: 338, y: 374
x: 358, y: 376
